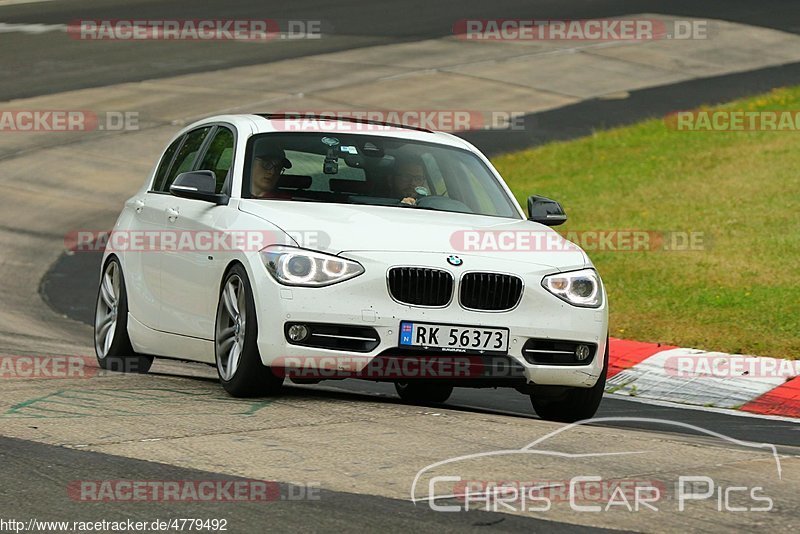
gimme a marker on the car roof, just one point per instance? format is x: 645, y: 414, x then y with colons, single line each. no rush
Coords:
x: 277, y: 122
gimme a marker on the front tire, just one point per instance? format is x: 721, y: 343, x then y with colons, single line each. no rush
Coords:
x: 111, y: 342
x: 570, y: 404
x: 423, y: 392
x: 239, y: 365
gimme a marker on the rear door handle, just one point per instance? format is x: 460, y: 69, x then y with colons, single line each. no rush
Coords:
x: 138, y: 205
x: 172, y: 214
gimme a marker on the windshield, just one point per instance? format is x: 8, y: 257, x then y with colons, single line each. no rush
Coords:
x: 374, y: 170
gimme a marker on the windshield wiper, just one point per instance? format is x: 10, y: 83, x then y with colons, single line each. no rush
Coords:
x: 306, y: 199
x: 415, y: 206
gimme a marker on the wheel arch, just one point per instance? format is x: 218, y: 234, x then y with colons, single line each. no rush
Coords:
x: 230, y: 265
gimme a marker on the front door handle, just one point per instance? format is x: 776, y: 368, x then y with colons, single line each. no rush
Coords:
x: 172, y: 214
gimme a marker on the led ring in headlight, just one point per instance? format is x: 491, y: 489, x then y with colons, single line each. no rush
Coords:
x: 298, y: 267
x: 579, y: 288
x: 333, y: 268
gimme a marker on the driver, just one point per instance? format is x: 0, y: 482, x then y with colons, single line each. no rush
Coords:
x: 408, y: 181
x: 268, y: 165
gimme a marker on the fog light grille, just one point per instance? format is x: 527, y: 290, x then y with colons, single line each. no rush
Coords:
x: 554, y: 352
x: 334, y: 336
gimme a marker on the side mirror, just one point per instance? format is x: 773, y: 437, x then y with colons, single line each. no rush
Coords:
x: 198, y: 185
x: 545, y: 211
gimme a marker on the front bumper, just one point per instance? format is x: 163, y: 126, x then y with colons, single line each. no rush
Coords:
x: 365, y: 302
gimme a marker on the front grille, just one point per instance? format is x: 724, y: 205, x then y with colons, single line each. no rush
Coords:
x: 490, y: 291
x: 420, y: 286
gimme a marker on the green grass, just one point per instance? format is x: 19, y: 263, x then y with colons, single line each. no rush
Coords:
x: 741, y: 293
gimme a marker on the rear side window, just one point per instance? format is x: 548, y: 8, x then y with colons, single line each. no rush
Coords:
x: 219, y: 156
x: 166, y: 161
x: 187, y: 154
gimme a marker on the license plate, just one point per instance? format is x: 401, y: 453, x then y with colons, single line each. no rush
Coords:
x: 454, y: 338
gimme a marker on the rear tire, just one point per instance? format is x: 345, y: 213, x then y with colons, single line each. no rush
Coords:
x: 570, y: 404
x: 111, y: 342
x: 239, y: 365
x: 423, y: 392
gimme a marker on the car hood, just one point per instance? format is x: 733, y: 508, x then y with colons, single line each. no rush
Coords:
x: 338, y: 228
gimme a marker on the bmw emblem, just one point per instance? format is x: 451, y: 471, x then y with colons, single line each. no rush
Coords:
x: 455, y: 261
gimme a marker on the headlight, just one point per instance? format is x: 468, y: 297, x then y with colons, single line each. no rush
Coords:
x: 297, y: 267
x: 579, y: 288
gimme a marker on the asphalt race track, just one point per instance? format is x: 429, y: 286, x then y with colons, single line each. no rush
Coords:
x: 354, y: 440
x: 45, y: 469
x: 42, y: 63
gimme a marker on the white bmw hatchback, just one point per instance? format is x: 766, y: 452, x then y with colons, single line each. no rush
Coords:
x: 314, y: 249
